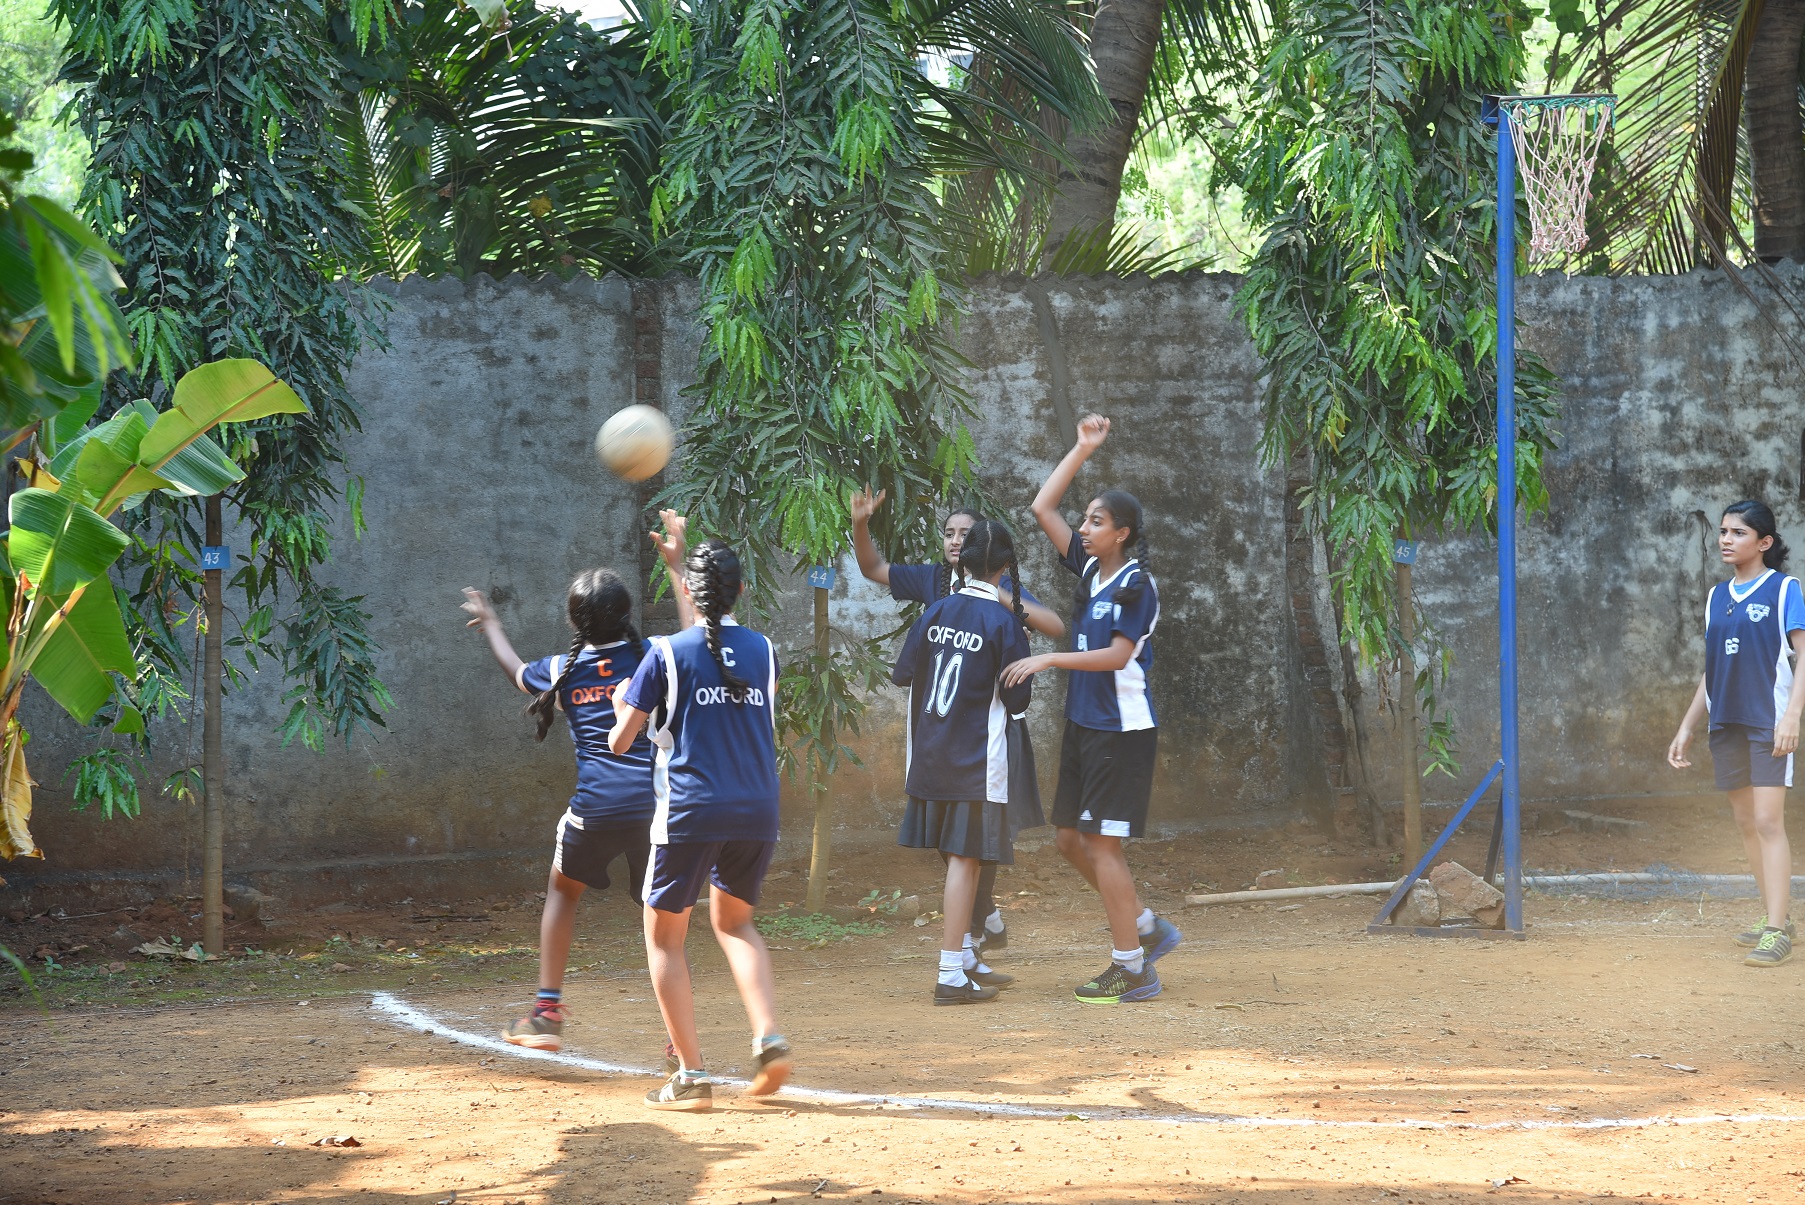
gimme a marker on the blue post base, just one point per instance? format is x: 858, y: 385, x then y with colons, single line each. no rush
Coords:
x: 1513, y: 919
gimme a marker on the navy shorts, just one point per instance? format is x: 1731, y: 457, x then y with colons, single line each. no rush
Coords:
x: 1744, y: 757
x: 679, y: 871
x: 1105, y: 780
x: 586, y: 847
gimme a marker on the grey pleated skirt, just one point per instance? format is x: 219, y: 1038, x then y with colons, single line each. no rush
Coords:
x: 962, y: 830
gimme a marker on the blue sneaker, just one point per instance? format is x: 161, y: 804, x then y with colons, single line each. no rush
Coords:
x: 1118, y: 985
x: 1162, y: 941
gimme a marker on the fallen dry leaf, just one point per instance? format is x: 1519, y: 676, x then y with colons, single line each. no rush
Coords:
x: 335, y: 1140
x: 1509, y: 1180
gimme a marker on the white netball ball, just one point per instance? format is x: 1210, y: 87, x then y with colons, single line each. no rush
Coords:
x: 635, y: 442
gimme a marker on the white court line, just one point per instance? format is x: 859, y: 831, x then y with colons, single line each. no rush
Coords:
x: 402, y: 1013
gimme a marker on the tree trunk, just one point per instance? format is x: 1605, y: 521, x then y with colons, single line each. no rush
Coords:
x: 820, y: 788
x: 1776, y: 141
x: 213, y: 775
x: 1413, y: 770
x: 1123, y: 40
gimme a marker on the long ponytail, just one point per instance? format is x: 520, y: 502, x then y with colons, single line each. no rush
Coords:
x: 601, y: 611
x: 988, y: 548
x: 713, y: 573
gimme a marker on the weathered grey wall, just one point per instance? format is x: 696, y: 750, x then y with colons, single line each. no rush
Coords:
x: 476, y: 452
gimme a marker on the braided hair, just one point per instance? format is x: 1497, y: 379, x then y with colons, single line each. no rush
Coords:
x: 1125, y: 509
x: 947, y: 568
x: 601, y: 611
x: 988, y: 548
x: 713, y: 574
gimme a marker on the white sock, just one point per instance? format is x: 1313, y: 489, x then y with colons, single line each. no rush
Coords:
x: 1143, y: 924
x: 968, y: 955
x: 952, y: 968
x: 1135, y: 960
x: 994, y: 922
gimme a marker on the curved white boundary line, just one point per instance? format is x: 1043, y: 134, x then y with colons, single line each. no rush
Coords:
x: 402, y: 1013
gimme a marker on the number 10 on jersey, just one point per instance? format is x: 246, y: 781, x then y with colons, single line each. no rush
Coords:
x: 944, y: 683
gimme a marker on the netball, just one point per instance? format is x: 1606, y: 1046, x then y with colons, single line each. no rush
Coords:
x: 635, y: 442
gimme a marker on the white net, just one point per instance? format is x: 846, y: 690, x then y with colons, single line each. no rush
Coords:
x: 1557, y: 139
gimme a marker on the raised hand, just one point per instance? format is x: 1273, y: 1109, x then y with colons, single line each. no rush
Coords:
x: 864, y: 504
x: 1093, y: 429
x: 670, y: 542
x: 476, y: 604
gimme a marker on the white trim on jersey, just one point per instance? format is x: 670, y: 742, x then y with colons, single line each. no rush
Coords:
x: 1131, y: 679
x: 996, y: 753
x: 661, y: 745
x: 1783, y: 668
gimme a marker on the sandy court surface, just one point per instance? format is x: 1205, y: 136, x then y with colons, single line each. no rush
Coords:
x: 1290, y: 1058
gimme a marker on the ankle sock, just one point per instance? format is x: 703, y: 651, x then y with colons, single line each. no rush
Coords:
x: 1143, y: 924
x: 1135, y: 960
x: 994, y: 922
x: 952, y: 968
x: 764, y: 1042
x: 690, y: 1075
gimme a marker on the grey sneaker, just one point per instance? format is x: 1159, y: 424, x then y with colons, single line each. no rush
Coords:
x: 771, y: 1065
x: 1774, y: 948
x: 680, y: 1095
x: 1750, y: 937
x: 541, y: 1029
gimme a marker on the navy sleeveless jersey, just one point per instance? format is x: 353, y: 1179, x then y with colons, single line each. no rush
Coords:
x: 958, y: 710
x: 611, y: 787
x: 1115, y: 701
x: 1748, y: 675
x: 714, y: 774
x: 921, y: 583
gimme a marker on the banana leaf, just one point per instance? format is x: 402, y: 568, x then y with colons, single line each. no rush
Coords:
x: 57, y: 544
x: 83, y: 650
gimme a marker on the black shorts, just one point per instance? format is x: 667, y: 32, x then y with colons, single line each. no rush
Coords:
x: 1105, y: 780
x: 680, y: 870
x: 1744, y: 757
x: 586, y: 847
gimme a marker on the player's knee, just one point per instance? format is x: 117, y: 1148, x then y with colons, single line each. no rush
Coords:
x: 1070, y: 842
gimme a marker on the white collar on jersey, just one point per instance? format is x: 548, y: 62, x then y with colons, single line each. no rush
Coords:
x: 1748, y: 588
x: 1098, y: 584
x: 596, y: 648
x: 978, y: 589
x: 729, y: 621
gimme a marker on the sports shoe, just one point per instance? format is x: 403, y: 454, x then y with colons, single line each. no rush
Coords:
x: 1751, y: 937
x: 1774, y: 948
x: 678, y: 1095
x: 996, y: 979
x: 541, y: 1029
x: 771, y: 1066
x: 1118, y: 984
x: 1162, y: 941
x: 969, y: 992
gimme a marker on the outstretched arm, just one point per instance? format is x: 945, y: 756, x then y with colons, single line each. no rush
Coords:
x: 1092, y: 431
x: 671, y: 551
x: 484, y: 619
x: 1117, y: 656
x: 871, y: 562
x: 1042, y: 619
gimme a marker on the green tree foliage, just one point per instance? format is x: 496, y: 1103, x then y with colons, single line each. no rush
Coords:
x: 216, y: 175
x: 526, y: 150
x: 1372, y: 298
x: 801, y: 180
x: 31, y: 55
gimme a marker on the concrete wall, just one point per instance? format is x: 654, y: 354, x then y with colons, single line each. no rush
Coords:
x: 478, y: 422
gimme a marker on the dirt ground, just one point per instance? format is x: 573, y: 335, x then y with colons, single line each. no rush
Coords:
x: 1622, y: 1051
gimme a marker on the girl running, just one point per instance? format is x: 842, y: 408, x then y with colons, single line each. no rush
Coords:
x: 610, y: 815
x: 714, y: 687
x: 1106, y: 762
x: 958, y: 777
x: 1752, y: 621
x: 931, y: 583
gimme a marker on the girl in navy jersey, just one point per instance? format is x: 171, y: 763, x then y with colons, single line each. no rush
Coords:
x: 958, y: 777
x: 714, y: 688
x: 1753, y: 623
x: 928, y: 584
x: 611, y: 813
x: 1106, y: 762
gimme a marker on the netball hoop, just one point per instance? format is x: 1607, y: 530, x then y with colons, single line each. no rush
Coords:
x: 1554, y: 141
